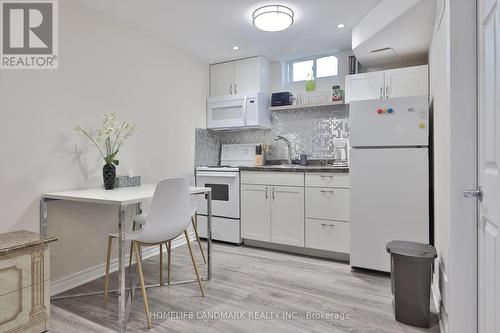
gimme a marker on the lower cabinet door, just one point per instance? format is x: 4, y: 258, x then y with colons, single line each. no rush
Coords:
x: 327, y: 235
x: 255, y: 212
x: 287, y: 215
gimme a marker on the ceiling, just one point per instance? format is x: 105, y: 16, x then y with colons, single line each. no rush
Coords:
x: 381, y: 37
x: 208, y: 29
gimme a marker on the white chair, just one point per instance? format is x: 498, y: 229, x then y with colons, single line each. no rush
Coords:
x: 140, y: 220
x: 169, y: 216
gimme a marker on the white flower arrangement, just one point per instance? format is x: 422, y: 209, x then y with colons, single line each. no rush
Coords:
x: 109, y: 137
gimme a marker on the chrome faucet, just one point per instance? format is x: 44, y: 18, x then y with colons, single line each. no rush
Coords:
x: 289, y: 145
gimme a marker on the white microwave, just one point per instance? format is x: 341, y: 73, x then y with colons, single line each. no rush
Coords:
x: 238, y: 112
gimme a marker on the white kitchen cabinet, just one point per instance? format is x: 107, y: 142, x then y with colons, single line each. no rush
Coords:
x: 399, y: 82
x: 287, y: 215
x: 273, y: 178
x: 221, y: 79
x: 327, y: 203
x: 409, y: 81
x: 255, y: 212
x: 245, y: 76
x: 327, y: 179
x: 359, y: 87
x: 327, y: 211
x: 327, y: 235
x: 295, y: 208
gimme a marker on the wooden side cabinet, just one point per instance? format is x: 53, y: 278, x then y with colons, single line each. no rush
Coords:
x: 24, y: 282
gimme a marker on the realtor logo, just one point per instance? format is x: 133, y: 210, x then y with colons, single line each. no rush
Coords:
x: 28, y: 34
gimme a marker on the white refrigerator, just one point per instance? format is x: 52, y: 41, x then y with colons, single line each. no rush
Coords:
x: 389, y: 171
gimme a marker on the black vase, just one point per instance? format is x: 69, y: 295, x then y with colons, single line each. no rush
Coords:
x: 109, y: 175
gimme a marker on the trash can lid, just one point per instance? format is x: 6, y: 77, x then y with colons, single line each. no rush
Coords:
x: 411, y: 249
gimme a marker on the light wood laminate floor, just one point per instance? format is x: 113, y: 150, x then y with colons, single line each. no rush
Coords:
x: 246, y: 281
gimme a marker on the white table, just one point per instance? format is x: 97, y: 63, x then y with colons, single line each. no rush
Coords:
x: 122, y: 198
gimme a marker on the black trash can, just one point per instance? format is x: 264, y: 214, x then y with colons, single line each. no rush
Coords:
x: 411, y: 275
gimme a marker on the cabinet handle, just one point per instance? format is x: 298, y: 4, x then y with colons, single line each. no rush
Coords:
x: 381, y: 92
x: 387, y: 92
x: 230, y: 89
x: 267, y: 196
x: 235, y: 92
x: 328, y: 225
x: 273, y: 192
x: 324, y: 177
x: 327, y: 191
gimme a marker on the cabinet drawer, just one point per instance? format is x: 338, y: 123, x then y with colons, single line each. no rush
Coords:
x: 26, y: 309
x: 327, y: 203
x: 327, y: 179
x: 327, y: 235
x: 273, y: 178
x: 227, y: 230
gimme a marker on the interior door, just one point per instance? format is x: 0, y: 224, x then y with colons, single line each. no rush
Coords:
x: 360, y: 87
x: 409, y: 81
x: 247, y: 76
x: 221, y: 79
x: 287, y: 215
x: 489, y: 179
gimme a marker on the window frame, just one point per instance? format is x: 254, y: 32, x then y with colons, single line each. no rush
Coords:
x: 314, y: 59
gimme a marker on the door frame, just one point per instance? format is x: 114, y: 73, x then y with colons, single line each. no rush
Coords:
x: 457, y: 278
x: 462, y: 268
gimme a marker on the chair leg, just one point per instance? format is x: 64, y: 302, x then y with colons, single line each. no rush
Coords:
x: 169, y: 247
x: 106, y: 276
x: 131, y: 249
x: 195, y: 227
x: 161, y: 264
x: 141, y: 279
x: 194, y: 264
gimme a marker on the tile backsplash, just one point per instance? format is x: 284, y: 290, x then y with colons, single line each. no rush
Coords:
x: 314, y: 132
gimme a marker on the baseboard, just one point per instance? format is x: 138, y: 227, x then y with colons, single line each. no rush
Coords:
x: 298, y: 250
x: 436, y: 297
x: 89, y: 274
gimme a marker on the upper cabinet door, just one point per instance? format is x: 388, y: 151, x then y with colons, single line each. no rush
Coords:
x: 404, y: 82
x: 364, y: 86
x: 247, y: 76
x: 222, y: 79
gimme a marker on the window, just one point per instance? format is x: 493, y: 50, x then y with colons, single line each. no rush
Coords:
x: 299, y: 70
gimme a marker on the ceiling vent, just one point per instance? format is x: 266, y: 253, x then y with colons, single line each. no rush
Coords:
x: 386, y: 51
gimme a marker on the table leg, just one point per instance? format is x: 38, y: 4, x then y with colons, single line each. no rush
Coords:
x: 133, y: 284
x: 209, y: 236
x: 121, y: 270
x: 43, y: 217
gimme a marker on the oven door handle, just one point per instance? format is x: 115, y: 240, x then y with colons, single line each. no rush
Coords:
x: 216, y: 174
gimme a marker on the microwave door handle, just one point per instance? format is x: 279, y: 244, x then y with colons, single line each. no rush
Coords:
x: 245, y: 110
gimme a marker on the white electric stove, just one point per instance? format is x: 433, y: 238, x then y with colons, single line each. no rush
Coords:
x: 224, y: 180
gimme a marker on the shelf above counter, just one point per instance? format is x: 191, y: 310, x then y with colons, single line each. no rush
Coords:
x: 333, y: 105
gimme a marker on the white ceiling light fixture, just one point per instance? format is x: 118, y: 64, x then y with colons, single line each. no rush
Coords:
x: 236, y: 48
x: 340, y: 25
x: 273, y: 18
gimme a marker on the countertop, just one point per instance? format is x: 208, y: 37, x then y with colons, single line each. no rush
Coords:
x: 17, y: 240
x: 297, y: 168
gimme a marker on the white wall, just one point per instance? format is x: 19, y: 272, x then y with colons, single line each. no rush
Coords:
x: 453, y: 91
x: 279, y: 82
x: 104, y: 66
